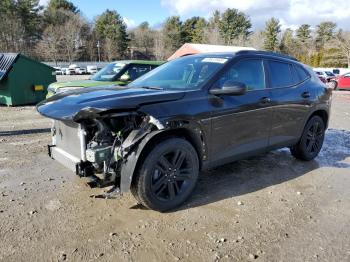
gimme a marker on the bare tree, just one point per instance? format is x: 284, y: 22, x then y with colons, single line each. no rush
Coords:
x: 62, y: 42
x: 142, y: 38
x: 343, y: 41
x: 72, y: 39
x: 256, y: 40
x: 11, y: 34
x: 213, y: 36
x: 159, y: 48
x: 50, y: 45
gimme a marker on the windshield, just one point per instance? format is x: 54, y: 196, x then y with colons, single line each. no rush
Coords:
x: 186, y: 73
x: 108, y: 72
x: 329, y: 73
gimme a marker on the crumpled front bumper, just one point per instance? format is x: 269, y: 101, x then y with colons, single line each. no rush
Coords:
x: 66, y: 159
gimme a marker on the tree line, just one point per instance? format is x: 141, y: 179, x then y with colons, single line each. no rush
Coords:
x: 60, y: 32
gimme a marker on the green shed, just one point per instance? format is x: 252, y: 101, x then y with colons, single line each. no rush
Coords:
x: 23, y: 81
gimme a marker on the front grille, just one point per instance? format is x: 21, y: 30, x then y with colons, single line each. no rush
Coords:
x: 67, y: 137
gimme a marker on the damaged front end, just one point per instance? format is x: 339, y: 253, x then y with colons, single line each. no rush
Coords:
x: 97, y: 131
x: 99, y: 146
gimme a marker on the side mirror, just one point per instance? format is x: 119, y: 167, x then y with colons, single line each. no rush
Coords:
x: 125, y: 78
x: 230, y: 88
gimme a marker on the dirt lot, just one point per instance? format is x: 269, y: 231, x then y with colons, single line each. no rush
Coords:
x: 269, y: 208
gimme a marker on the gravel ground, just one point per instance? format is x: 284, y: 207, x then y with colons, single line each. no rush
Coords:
x: 267, y: 208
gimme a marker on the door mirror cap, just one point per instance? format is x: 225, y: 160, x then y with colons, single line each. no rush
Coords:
x: 230, y: 88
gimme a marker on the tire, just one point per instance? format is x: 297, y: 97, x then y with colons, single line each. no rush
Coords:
x: 333, y: 85
x: 311, y: 141
x: 167, y: 176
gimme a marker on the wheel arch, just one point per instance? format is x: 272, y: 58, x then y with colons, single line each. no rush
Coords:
x: 135, y: 158
x: 321, y: 113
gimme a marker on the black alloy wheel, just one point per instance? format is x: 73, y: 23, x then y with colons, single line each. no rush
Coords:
x: 172, y: 174
x: 311, y: 141
x: 167, y: 175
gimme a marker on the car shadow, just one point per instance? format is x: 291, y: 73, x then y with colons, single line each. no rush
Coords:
x: 25, y: 132
x: 276, y: 167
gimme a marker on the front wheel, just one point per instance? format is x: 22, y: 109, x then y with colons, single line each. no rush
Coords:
x: 311, y: 141
x: 167, y: 175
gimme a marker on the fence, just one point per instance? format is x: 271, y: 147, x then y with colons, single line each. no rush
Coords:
x: 80, y: 64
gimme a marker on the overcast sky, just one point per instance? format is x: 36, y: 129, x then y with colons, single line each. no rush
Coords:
x: 291, y: 13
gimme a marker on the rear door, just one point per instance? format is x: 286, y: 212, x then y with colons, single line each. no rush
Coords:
x: 290, y: 98
x: 241, y: 124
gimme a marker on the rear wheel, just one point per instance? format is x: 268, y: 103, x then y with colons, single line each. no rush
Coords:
x: 311, y: 141
x: 167, y: 175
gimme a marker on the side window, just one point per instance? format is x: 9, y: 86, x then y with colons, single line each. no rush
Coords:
x: 135, y: 71
x: 302, y: 74
x: 153, y: 66
x: 281, y: 74
x: 250, y: 72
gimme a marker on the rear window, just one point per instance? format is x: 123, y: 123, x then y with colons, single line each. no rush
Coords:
x: 302, y: 74
x: 281, y: 74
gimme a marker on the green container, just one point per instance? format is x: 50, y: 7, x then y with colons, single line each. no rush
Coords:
x: 23, y: 81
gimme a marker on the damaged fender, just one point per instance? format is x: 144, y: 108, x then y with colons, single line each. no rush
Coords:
x: 129, y: 164
x: 131, y: 158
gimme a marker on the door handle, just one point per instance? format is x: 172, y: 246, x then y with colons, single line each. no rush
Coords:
x: 305, y: 94
x: 265, y: 100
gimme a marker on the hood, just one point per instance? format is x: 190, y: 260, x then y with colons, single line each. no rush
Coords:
x: 83, y: 83
x: 86, y: 103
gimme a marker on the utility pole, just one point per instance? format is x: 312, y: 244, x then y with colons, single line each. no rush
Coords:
x: 98, y: 50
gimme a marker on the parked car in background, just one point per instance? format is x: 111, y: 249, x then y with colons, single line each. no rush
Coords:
x: 326, y: 74
x: 329, y: 76
x: 80, y: 71
x: 343, y: 81
x: 116, y: 73
x: 64, y: 70
x: 196, y: 112
x: 91, y: 69
x: 322, y: 78
x: 336, y: 71
x: 58, y: 70
x: 70, y: 71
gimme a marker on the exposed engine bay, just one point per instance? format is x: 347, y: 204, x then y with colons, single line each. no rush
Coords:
x: 98, y: 147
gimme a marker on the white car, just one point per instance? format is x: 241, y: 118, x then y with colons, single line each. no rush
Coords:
x: 69, y: 71
x: 80, y: 71
x: 58, y: 70
x: 91, y: 69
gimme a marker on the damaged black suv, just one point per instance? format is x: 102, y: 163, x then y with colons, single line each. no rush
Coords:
x: 196, y: 112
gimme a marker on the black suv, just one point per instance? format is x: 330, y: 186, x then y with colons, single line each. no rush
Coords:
x: 193, y: 113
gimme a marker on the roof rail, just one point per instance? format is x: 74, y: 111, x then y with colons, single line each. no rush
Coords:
x: 266, y: 53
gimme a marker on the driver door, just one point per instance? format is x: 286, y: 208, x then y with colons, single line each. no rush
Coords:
x: 241, y: 124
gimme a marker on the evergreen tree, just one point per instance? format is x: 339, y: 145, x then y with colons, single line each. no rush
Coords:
x: 193, y: 30
x: 303, y: 33
x: 173, y: 34
x: 288, y: 43
x: 325, y: 31
x: 111, y: 28
x: 59, y: 12
x: 63, y: 4
x: 271, y: 33
x: 233, y: 25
